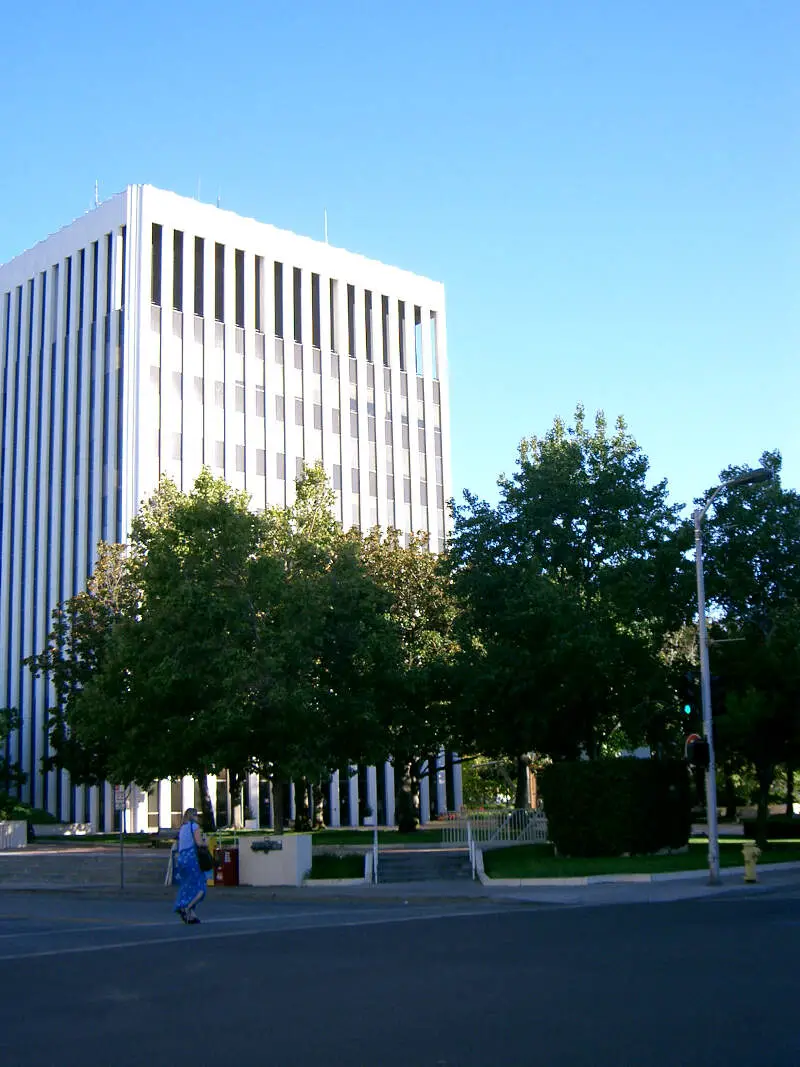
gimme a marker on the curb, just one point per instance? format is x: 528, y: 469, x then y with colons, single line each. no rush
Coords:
x: 625, y: 879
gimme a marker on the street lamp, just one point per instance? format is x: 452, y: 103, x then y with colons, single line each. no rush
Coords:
x: 759, y: 475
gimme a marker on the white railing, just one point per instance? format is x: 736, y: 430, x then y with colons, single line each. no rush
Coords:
x: 13, y: 834
x: 518, y: 827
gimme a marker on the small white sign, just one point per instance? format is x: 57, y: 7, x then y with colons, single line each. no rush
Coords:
x: 119, y: 797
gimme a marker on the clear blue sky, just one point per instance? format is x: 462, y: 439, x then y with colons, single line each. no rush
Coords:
x: 609, y: 191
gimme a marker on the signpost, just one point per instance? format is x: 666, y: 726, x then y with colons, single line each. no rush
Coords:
x: 120, y: 799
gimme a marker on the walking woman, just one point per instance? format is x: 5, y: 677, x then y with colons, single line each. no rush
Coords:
x: 190, y: 879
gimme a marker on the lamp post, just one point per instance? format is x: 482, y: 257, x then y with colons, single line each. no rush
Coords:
x: 759, y: 475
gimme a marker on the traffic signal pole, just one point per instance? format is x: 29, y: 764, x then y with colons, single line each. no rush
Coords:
x: 761, y: 474
x: 705, y: 696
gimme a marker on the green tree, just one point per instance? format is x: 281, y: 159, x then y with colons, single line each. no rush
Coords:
x: 12, y: 775
x: 324, y: 653
x: 414, y: 719
x: 76, y: 653
x: 146, y: 664
x: 752, y: 561
x: 569, y: 587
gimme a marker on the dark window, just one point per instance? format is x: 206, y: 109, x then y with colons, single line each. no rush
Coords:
x: 109, y: 272
x: 123, y: 233
x: 385, y: 328
x: 297, y: 281
x: 368, y: 322
x: 68, y: 299
x: 155, y: 283
x: 219, y: 282
x: 418, y: 338
x: 401, y: 332
x: 351, y: 320
x: 279, y: 300
x: 315, y: 326
x: 238, y: 270
x: 259, y: 296
x: 95, y: 267
x: 81, y: 292
x: 177, y: 270
x: 333, y: 315
x: 199, y: 248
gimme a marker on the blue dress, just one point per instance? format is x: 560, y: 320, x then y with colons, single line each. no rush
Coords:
x: 190, y: 879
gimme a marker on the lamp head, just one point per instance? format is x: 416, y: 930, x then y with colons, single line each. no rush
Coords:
x: 761, y: 474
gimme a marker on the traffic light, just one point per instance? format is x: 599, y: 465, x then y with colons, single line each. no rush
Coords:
x: 697, y: 751
x: 689, y: 696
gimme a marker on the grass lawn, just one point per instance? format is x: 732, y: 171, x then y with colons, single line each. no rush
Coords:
x: 538, y: 861
x: 325, y: 866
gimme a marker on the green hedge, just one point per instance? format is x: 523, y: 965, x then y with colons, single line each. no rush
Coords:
x: 779, y: 827
x: 11, y: 808
x: 616, y: 806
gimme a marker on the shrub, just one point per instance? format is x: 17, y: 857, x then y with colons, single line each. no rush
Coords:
x: 615, y: 806
x: 327, y: 866
x: 779, y: 827
x: 11, y: 808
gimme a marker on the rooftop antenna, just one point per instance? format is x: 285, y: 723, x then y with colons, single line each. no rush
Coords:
x: 96, y: 194
x: 326, y: 225
x: 219, y: 197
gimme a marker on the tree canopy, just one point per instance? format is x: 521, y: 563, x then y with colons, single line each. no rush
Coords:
x: 568, y: 588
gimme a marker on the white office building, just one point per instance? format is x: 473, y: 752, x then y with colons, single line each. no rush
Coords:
x: 157, y: 334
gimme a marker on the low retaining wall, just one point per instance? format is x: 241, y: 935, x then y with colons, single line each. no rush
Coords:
x: 62, y: 829
x: 13, y: 834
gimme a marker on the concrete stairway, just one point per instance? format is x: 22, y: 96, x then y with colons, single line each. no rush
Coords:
x: 423, y: 865
x: 81, y: 867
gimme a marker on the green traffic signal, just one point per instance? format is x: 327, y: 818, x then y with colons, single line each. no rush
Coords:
x: 687, y: 709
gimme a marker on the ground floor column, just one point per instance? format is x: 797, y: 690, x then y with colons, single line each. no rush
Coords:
x: 333, y: 795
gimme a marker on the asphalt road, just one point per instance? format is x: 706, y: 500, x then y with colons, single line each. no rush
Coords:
x: 108, y: 981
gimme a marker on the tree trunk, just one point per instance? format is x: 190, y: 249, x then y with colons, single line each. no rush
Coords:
x: 765, y: 774
x: 789, y: 789
x: 523, y: 793
x: 407, y: 798
x: 209, y: 825
x: 278, y: 812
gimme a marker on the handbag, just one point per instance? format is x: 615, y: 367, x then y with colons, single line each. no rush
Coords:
x: 204, y: 857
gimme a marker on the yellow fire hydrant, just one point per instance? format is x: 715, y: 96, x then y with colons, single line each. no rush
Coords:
x: 751, y: 852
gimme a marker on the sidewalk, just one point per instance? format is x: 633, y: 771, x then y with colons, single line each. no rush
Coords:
x: 690, y: 886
